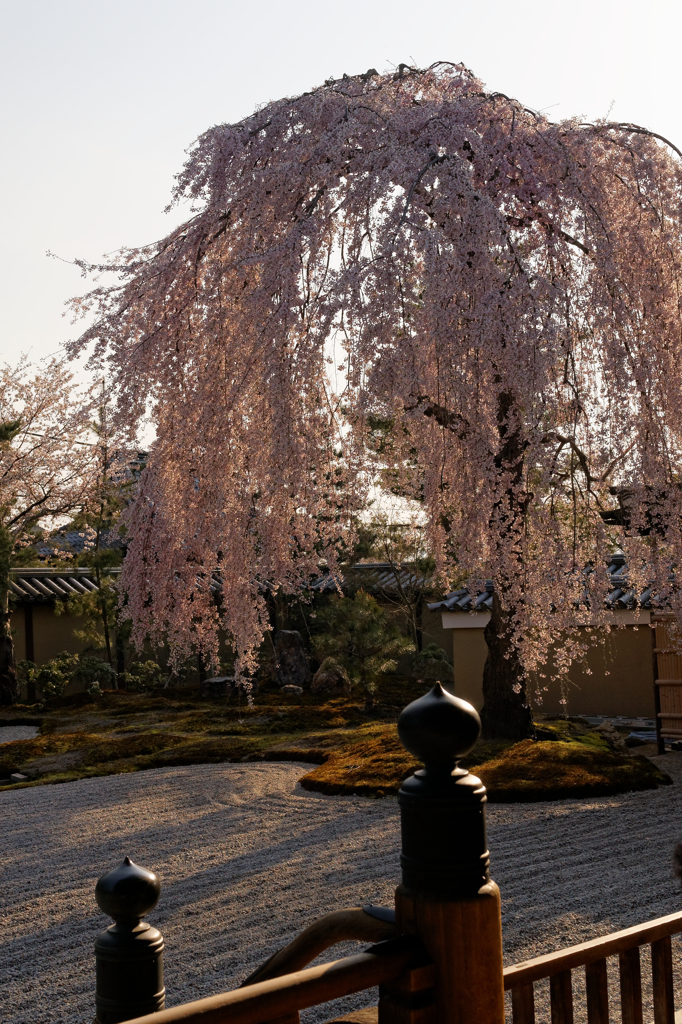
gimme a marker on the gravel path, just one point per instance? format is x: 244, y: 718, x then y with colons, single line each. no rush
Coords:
x: 9, y: 733
x: 247, y: 858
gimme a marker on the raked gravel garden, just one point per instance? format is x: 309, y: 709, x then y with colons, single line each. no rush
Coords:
x: 247, y: 858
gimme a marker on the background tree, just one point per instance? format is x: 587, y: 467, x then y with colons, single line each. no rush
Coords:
x: 503, y: 291
x: 98, y: 610
x: 112, y: 488
x: 48, y: 463
x: 400, y: 547
x: 362, y: 636
x: 433, y: 664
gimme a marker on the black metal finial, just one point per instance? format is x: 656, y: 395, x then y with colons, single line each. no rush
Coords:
x: 128, y: 892
x: 439, y: 728
x: 442, y: 807
x: 129, y: 953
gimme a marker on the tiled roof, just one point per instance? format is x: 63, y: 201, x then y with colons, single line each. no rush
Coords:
x: 49, y: 584
x: 620, y: 595
x: 375, y: 577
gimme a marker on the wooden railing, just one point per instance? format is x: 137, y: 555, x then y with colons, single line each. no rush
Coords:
x: 444, y: 967
x: 398, y: 962
x: 592, y: 956
x: 400, y: 968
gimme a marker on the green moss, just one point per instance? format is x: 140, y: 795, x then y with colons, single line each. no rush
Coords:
x: 526, y: 771
x: 558, y: 770
x: 355, y: 752
x: 375, y: 765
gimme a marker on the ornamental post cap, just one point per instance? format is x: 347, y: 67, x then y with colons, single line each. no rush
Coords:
x: 439, y: 728
x: 128, y: 892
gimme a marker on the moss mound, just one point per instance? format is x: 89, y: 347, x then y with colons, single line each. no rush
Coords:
x: 526, y: 771
x: 554, y: 770
x: 373, y: 767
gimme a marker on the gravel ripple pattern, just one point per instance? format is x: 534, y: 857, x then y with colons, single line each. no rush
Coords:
x: 247, y: 858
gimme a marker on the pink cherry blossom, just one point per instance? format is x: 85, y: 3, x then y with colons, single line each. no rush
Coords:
x: 506, y: 295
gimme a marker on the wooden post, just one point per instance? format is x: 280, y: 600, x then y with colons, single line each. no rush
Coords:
x: 464, y: 940
x: 447, y: 897
x: 523, y: 1004
x: 630, y: 986
x: 561, y: 998
x: 597, y: 990
x: 662, y: 976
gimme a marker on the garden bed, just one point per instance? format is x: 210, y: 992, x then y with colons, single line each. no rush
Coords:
x: 356, y: 751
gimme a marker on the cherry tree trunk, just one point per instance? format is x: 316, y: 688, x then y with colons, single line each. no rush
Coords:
x: 505, y: 713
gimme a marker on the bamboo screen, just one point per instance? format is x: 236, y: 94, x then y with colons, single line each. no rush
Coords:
x: 668, y: 683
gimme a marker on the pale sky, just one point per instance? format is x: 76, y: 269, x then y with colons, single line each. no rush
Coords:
x: 100, y: 101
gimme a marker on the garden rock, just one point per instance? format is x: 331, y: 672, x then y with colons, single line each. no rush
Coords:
x: 546, y: 734
x: 217, y: 686
x: 290, y: 688
x: 331, y: 678
x: 292, y: 663
x: 615, y: 740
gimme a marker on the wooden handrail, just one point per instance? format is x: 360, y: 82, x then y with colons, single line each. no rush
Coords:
x: 528, y: 971
x: 339, y: 926
x: 270, y: 1000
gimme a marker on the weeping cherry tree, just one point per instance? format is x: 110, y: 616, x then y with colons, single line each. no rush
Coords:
x: 500, y: 292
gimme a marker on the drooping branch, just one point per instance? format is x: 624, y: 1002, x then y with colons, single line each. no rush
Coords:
x: 446, y: 418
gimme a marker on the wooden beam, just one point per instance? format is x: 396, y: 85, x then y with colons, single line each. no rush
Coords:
x: 523, y: 1005
x: 410, y: 999
x: 662, y: 976
x: 660, y: 742
x: 561, y: 998
x: 339, y: 926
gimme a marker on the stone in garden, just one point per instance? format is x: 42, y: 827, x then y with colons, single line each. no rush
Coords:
x: 331, y: 678
x: 290, y: 688
x: 17, y: 777
x: 216, y: 687
x: 614, y: 739
x: 292, y: 664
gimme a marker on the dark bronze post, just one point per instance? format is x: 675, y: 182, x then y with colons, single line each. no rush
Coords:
x: 447, y: 897
x: 129, y: 953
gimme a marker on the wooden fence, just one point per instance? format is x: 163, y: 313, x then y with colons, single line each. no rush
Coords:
x: 279, y: 1000
x: 401, y: 971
